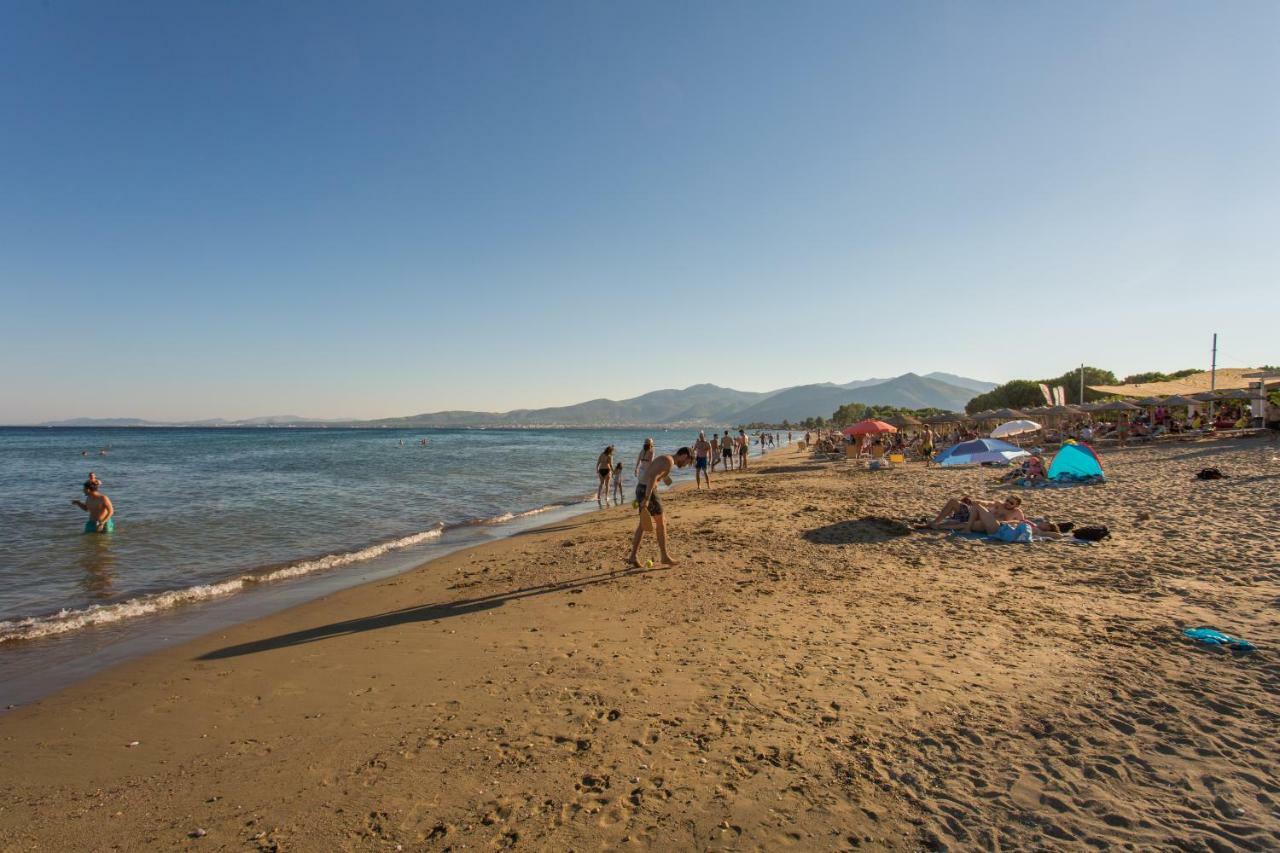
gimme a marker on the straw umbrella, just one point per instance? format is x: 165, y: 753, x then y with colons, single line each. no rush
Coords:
x: 1008, y: 415
x: 905, y: 420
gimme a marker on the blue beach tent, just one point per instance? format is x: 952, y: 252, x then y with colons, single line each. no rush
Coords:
x: 978, y: 451
x: 1075, y: 463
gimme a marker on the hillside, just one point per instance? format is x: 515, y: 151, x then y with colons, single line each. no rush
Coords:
x: 908, y: 391
x: 697, y: 404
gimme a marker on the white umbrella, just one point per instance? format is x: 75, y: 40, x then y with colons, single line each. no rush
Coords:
x: 1014, y: 428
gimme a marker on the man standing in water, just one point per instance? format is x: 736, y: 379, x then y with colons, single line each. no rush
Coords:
x: 99, y: 508
x: 647, y: 499
x: 701, y: 449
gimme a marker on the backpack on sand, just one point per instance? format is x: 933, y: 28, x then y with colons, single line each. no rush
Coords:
x: 1092, y: 534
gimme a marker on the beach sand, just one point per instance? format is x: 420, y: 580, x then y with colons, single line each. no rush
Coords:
x: 812, y: 675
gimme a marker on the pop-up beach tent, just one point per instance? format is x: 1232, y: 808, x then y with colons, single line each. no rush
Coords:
x: 1075, y: 462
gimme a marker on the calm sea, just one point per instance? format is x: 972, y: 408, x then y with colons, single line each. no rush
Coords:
x: 212, y: 514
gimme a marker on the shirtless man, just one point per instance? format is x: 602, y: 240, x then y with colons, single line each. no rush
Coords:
x: 99, y: 508
x: 743, y: 447
x: 701, y: 449
x: 715, y: 450
x: 726, y: 450
x: 989, y: 516
x: 647, y: 496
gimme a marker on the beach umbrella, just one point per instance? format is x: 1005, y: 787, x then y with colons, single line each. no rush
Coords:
x: 1012, y: 428
x: 1204, y: 397
x: 1150, y: 401
x: 1062, y: 410
x: 904, y: 420
x: 1177, y: 400
x: 945, y: 418
x: 1238, y: 394
x: 869, y: 427
x: 1007, y: 414
x: 1115, y: 406
x: 978, y: 451
x: 1087, y: 407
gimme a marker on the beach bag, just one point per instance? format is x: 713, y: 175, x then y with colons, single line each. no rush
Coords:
x: 1210, y: 474
x: 1092, y: 534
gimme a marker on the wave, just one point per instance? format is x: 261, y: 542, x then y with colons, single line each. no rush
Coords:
x: 66, y: 621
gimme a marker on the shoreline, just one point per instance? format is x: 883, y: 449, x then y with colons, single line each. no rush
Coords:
x: 809, y: 675
x: 52, y: 651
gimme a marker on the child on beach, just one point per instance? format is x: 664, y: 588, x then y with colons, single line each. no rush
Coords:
x: 617, y: 484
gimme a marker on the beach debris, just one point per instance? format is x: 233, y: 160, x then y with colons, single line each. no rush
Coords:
x: 1217, y: 639
x: 131, y: 744
x: 198, y: 832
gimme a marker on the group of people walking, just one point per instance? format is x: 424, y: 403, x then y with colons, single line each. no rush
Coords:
x: 650, y: 469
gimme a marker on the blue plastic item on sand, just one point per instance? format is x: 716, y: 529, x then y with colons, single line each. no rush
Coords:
x: 1213, y: 637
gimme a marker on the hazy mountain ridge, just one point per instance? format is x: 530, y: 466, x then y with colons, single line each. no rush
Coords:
x: 697, y: 404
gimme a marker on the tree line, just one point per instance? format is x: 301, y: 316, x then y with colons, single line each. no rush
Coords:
x: 1021, y: 393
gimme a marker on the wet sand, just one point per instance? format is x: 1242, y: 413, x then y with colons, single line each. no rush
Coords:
x: 814, y: 674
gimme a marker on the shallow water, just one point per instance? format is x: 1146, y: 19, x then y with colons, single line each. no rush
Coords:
x: 210, y: 513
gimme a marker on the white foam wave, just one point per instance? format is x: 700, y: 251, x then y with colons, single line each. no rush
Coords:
x: 65, y: 621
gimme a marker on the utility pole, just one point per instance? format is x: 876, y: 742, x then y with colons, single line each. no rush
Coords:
x: 1213, y: 373
x: 1082, y: 384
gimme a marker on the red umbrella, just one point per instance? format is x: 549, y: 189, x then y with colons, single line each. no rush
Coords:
x: 869, y: 427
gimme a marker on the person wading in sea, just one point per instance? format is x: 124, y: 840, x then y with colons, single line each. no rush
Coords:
x: 98, y: 506
x: 651, y: 507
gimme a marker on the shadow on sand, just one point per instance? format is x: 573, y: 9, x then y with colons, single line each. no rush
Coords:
x: 871, y: 528
x: 421, y: 613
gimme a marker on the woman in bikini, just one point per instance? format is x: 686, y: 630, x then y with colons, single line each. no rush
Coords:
x: 645, y: 457
x: 604, y: 468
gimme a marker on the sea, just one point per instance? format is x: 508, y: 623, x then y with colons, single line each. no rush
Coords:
x: 216, y: 526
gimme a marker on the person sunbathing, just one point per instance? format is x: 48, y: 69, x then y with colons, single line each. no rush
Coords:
x: 956, y: 514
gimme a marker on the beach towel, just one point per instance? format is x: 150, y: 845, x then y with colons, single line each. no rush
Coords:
x: 1213, y: 637
x: 1000, y: 537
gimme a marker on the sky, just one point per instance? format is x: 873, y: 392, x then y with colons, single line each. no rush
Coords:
x: 367, y: 210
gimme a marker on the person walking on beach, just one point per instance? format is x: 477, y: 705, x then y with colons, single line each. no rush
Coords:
x: 726, y: 450
x: 99, y: 508
x: 645, y: 457
x: 604, y: 468
x: 715, y: 450
x: 701, y: 449
x: 743, y: 447
x: 647, y: 499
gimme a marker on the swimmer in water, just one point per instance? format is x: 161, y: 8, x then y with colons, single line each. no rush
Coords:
x: 99, y: 508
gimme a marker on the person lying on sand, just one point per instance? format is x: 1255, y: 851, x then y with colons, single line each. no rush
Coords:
x: 647, y: 500
x: 956, y: 514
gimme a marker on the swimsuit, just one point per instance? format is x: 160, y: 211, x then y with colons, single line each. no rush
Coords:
x: 92, y: 526
x: 655, y: 506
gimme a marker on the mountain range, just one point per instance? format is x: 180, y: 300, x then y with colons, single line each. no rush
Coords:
x: 704, y: 404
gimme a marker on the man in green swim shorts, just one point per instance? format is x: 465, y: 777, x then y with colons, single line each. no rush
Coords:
x: 99, y: 508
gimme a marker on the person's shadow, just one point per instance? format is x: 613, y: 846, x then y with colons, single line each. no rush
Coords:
x: 421, y: 613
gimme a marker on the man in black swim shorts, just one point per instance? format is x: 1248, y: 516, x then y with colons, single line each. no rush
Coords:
x: 647, y: 500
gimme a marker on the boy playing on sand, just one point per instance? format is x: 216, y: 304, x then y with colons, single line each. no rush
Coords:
x: 647, y: 500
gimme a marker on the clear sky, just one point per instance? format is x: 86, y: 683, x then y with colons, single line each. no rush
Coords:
x: 370, y: 209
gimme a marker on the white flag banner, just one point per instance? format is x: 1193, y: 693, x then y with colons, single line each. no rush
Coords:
x: 1048, y: 398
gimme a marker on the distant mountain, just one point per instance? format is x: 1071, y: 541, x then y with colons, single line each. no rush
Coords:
x: 907, y: 391
x: 975, y: 385
x: 698, y: 404
x: 695, y: 404
x: 100, y: 422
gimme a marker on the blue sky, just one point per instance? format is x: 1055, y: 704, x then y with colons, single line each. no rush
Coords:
x: 359, y: 210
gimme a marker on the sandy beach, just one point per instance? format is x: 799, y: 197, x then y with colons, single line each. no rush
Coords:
x: 813, y: 674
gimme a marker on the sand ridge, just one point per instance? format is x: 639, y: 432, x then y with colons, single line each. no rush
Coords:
x: 814, y: 674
